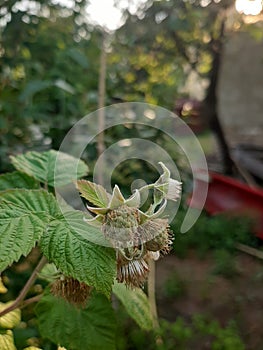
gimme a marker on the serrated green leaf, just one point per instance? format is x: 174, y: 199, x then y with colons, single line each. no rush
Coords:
x: 52, y: 168
x: 89, y: 232
x: 94, y: 193
x: 90, y: 328
x: 16, y: 179
x: 7, y: 340
x: 27, y: 214
x: 136, y: 304
x: 24, y: 216
x: 72, y: 253
x: 11, y: 319
x: 33, y: 201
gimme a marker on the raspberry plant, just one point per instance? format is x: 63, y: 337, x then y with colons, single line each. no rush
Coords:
x: 75, y: 310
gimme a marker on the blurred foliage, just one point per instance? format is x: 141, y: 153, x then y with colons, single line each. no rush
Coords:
x: 200, y: 332
x: 175, y: 286
x: 46, y: 84
x: 48, y: 80
x: 157, y: 48
x: 212, y: 233
x: 225, y: 264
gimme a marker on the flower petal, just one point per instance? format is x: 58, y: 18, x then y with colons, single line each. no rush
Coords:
x: 174, y: 189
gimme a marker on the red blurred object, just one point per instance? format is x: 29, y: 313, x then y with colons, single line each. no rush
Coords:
x: 227, y: 195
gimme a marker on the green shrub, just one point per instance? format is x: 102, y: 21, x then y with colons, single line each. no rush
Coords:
x: 225, y: 264
x: 198, y: 333
x: 174, y: 286
x: 212, y: 233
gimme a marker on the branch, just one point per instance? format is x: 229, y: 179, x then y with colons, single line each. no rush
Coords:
x: 181, y: 46
x: 101, y: 105
x: 32, y: 300
x: 249, y: 250
x: 19, y: 300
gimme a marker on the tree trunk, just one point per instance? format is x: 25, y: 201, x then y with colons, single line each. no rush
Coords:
x: 211, y: 101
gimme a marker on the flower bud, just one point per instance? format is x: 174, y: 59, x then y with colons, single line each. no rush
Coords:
x: 121, y: 226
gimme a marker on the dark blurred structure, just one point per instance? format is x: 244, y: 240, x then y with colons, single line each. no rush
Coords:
x: 190, y: 112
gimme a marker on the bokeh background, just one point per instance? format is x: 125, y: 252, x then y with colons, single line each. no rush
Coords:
x: 203, y: 60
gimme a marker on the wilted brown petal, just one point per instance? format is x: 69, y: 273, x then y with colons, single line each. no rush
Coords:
x: 71, y: 290
x: 132, y: 272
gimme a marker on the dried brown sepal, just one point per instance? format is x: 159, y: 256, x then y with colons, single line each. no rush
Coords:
x: 71, y: 290
x: 169, y: 244
x: 152, y: 228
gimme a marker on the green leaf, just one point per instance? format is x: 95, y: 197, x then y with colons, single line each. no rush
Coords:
x: 33, y: 87
x: 29, y: 215
x: 136, y: 303
x: 68, y: 247
x: 33, y: 201
x: 16, y: 179
x: 96, y: 194
x: 52, y: 168
x: 83, y: 228
x: 63, y: 85
x: 89, y: 328
x: 24, y: 216
x: 78, y: 57
x: 7, y: 340
x: 10, y: 320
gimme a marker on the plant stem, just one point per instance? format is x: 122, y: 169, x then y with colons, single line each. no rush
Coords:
x: 19, y: 300
x: 152, y: 300
x: 32, y: 300
x: 101, y: 105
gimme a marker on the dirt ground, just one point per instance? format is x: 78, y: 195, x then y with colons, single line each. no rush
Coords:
x: 239, y: 298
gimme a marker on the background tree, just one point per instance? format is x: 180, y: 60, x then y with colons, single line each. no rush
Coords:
x: 48, y: 73
x: 156, y: 50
